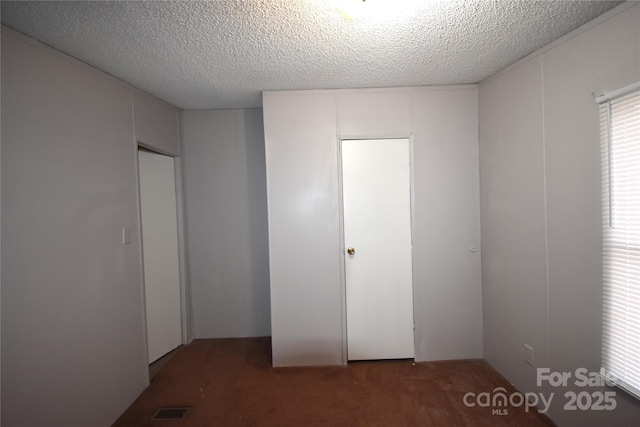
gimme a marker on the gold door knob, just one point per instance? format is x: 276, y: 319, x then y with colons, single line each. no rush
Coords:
x: 351, y: 251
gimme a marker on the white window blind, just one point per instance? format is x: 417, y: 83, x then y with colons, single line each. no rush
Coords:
x: 620, y: 148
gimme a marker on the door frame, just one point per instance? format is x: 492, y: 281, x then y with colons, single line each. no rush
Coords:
x: 185, y: 306
x: 341, y: 243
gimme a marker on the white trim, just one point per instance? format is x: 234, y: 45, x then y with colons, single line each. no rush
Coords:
x: 368, y: 90
x: 185, y: 300
x: 545, y: 204
x: 183, y: 237
x: 414, y: 238
x: 343, y: 267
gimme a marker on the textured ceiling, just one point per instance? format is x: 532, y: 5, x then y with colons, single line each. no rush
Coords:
x: 222, y: 54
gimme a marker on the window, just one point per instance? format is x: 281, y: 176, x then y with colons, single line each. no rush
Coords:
x: 620, y: 148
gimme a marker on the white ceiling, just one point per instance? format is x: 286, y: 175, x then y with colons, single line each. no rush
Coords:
x: 222, y: 54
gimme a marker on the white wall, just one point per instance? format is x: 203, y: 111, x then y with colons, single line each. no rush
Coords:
x: 302, y: 130
x: 447, y: 279
x: 304, y: 256
x: 156, y: 124
x: 73, y: 337
x: 227, y: 223
x: 540, y: 207
x: 513, y: 220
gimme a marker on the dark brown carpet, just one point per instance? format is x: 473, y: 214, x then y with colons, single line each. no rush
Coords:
x: 230, y: 382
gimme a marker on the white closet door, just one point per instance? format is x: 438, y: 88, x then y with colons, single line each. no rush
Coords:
x: 160, y: 248
x: 377, y: 230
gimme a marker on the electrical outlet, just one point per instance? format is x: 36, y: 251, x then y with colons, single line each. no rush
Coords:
x: 528, y: 355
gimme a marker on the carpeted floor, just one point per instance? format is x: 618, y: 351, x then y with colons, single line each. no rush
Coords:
x: 230, y: 382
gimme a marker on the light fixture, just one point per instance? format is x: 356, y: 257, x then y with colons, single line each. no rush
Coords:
x: 375, y: 9
x: 351, y: 9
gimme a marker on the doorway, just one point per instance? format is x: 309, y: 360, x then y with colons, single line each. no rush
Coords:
x: 376, y: 191
x: 160, y: 253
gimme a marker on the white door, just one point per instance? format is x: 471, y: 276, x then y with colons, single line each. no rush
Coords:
x: 160, y: 249
x: 376, y: 185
